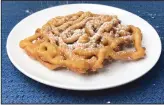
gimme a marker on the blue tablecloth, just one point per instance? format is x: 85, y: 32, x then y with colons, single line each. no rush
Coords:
x: 17, y: 88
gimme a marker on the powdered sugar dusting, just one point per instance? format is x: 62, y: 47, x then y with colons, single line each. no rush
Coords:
x: 91, y: 23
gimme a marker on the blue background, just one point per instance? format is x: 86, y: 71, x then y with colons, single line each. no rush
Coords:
x: 17, y: 88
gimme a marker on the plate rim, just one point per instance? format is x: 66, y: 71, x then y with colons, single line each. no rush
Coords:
x: 56, y: 85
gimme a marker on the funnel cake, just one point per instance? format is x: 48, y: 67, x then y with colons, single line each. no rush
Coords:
x: 83, y: 41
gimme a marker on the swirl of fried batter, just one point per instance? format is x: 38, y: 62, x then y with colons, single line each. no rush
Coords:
x: 82, y: 42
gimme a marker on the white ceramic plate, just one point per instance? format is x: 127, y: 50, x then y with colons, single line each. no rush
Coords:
x: 115, y: 74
